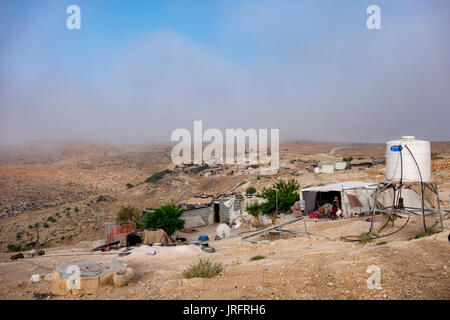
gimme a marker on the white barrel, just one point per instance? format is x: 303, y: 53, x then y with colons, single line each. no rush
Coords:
x: 400, y: 164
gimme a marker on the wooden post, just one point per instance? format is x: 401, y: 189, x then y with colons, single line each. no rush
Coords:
x: 37, y: 239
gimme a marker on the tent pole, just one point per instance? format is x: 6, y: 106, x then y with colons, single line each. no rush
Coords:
x: 374, y: 208
x: 438, y: 204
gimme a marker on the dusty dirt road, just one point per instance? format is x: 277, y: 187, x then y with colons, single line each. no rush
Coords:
x: 296, y: 267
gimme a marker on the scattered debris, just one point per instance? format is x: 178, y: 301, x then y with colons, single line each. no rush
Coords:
x: 43, y: 296
x: 208, y: 249
x: 17, y: 256
x: 35, y: 278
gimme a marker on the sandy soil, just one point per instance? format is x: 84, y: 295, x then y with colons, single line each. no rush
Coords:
x: 58, y: 187
x: 296, y: 267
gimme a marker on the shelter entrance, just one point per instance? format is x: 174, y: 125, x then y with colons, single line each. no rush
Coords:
x: 327, y: 197
x: 216, y: 213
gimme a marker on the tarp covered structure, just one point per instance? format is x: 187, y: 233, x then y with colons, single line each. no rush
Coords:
x: 355, y: 197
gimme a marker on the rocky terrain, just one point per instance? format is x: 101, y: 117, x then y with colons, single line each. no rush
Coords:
x: 73, y: 188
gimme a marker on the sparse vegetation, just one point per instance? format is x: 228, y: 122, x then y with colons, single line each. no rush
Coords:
x: 250, y: 190
x: 254, y: 210
x: 424, y: 234
x: 45, y: 225
x: 381, y: 243
x: 204, y: 268
x: 200, y: 168
x: 367, y: 237
x: 129, y: 185
x: 258, y: 257
x: 101, y: 198
x: 165, y: 217
x: 157, y: 176
x: 14, y: 248
x: 130, y: 214
x: 76, y: 209
x: 349, y: 159
x: 51, y: 219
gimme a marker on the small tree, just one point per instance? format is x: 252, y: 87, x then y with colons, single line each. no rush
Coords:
x: 130, y: 214
x: 287, y: 196
x: 250, y: 190
x: 165, y: 217
x: 254, y: 210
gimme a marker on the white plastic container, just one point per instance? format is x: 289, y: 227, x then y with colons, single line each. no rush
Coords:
x: 341, y: 165
x: 400, y: 164
x: 326, y: 168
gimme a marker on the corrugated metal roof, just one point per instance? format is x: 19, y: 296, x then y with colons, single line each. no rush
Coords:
x: 342, y: 186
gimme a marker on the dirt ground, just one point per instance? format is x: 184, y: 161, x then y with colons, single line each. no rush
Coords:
x: 73, y: 189
x: 321, y: 266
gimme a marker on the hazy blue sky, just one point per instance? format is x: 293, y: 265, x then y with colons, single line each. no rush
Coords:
x: 139, y: 69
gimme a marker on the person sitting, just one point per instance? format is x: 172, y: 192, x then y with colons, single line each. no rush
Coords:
x: 335, y: 208
x: 296, y: 209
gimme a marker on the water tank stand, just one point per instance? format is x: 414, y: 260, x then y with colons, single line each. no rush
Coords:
x: 398, y: 208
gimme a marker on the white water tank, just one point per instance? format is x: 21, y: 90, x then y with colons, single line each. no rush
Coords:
x: 400, y: 164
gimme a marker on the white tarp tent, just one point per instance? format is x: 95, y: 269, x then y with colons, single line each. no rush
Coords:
x: 355, y: 197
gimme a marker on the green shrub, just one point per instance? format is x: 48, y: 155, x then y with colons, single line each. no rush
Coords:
x: 45, y: 225
x: 424, y: 234
x: 76, y: 209
x: 381, y: 243
x: 200, y: 168
x: 250, y: 190
x: 204, y: 268
x: 101, y: 198
x: 157, y: 176
x: 14, y: 248
x: 51, y: 219
x: 258, y: 257
x: 254, y: 209
x: 367, y: 237
x: 130, y: 214
x: 129, y: 185
x: 287, y: 196
x: 127, y: 214
x: 165, y: 217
